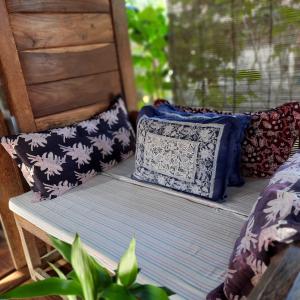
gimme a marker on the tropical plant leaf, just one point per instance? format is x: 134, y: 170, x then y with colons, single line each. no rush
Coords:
x: 82, y: 267
x: 63, y: 248
x: 47, y: 287
x: 92, y: 277
x: 116, y: 292
x: 61, y: 275
x: 128, y: 266
x: 168, y: 291
x: 150, y: 292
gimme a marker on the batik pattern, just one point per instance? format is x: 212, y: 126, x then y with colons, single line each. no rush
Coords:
x: 269, y: 139
x: 178, y: 155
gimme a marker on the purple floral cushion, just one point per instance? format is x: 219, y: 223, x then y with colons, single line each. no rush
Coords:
x: 273, y: 222
x: 56, y: 160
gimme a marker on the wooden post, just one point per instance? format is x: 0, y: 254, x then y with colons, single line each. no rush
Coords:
x: 124, y: 54
x: 31, y: 250
x: 10, y: 186
x: 279, y: 277
x: 14, y: 82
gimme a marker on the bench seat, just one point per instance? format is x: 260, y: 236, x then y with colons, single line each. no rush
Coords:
x: 181, y: 244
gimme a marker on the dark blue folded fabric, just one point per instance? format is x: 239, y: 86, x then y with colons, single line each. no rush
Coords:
x: 190, y: 153
x: 238, y: 134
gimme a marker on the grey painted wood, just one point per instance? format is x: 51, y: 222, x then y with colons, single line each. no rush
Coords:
x: 294, y: 294
x: 279, y: 277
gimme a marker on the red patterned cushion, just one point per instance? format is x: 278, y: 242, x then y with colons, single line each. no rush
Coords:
x: 269, y: 139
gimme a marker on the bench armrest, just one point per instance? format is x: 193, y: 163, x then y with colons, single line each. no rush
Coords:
x: 280, y: 276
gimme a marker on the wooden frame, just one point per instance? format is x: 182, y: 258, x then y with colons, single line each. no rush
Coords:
x: 281, y: 279
x: 36, y: 65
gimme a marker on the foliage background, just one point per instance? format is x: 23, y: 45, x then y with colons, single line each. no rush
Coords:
x: 229, y: 54
x: 148, y: 30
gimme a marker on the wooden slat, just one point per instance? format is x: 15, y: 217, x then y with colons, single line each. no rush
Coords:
x: 54, y: 64
x: 70, y: 117
x: 58, y: 5
x: 6, y: 263
x: 30, y: 248
x: 294, y: 293
x: 55, y: 97
x: 10, y: 186
x: 124, y: 54
x: 13, y: 280
x: 13, y: 77
x: 33, y: 31
x: 279, y: 276
x: 34, y: 231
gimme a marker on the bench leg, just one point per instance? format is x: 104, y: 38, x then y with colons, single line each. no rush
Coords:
x: 31, y: 250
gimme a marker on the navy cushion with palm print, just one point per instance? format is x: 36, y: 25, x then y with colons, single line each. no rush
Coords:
x: 57, y: 160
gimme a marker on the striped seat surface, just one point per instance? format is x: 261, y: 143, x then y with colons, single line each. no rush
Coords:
x: 181, y: 244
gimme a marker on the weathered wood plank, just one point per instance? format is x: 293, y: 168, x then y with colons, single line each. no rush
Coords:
x: 33, y: 31
x: 55, y: 97
x: 54, y: 64
x: 70, y: 117
x: 35, y: 231
x: 30, y: 248
x: 10, y: 186
x: 6, y: 263
x: 14, y: 279
x: 124, y: 53
x: 58, y: 5
x: 294, y: 293
x: 279, y: 277
x: 13, y: 77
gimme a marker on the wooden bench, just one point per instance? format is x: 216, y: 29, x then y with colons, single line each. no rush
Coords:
x: 61, y: 61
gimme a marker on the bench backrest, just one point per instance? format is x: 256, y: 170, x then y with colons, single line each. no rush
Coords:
x: 63, y: 59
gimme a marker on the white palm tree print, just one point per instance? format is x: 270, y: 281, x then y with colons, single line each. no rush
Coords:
x: 28, y: 174
x: 121, y: 105
x: 280, y: 207
x: 66, y: 132
x: 109, y: 165
x: 103, y: 143
x: 79, y: 153
x: 91, y: 126
x: 249, y: 239
x: 258, y: 267
x: 10, y: 146
x: 36, y: 139
x: 59, y: 189
x: 123, y: 136
x: 49, y: 163
x: 229, y: 275
x: 277, y: 232
x: 127, y: 155
x: 296, y: 204
x: 84, y: 177
x: 110, y: 117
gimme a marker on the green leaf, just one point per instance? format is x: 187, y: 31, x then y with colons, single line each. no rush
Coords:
x: 47, y: 287
x: 63, y: 248
x: 150, y: 292
x: 168, y: 291
x: 90, y: 274
x: 128, y: 266
x: 81, y: 264
x: 116, y: 292
x: 61, y: 275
